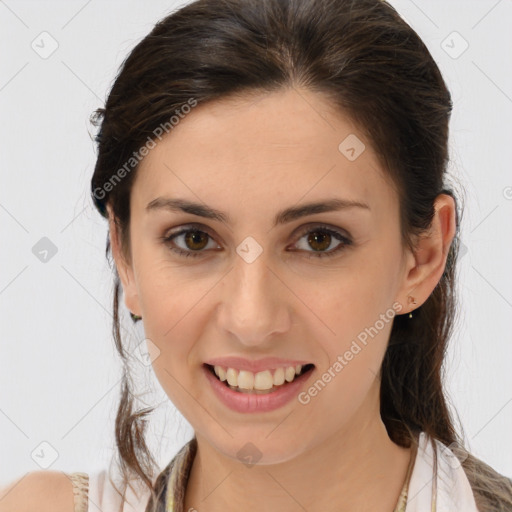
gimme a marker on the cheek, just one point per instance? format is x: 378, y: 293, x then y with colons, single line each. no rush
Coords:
x: 355, y: 314
x: 172, y: 322
x: 356, y: 329
x: 172, y: 315
x: 168, y: 291
x: 348, y: 382
x: 176, y: 311
x: 352, y: 297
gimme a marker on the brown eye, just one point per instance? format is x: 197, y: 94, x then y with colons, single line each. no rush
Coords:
x: 196, y: 240
x: 192, y: 242
x: 319, y: 240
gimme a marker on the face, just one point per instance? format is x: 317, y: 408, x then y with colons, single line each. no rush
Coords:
x: 320, y: 289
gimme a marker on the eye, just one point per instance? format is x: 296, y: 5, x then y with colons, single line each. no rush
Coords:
x: 321, y: 237
x: 195, y: 240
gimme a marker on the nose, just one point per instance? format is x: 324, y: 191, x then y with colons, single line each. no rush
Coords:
x: 255, y: 303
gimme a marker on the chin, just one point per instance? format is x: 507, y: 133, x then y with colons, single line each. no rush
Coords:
x: 257, y: 451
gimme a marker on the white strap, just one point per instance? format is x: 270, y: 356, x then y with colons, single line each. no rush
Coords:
x: 103, y: 497
x: 448, y: 492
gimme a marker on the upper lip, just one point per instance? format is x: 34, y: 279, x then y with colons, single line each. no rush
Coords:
x: 254, y: 366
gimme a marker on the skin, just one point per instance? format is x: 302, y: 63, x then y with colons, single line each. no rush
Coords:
x: 251, y: 157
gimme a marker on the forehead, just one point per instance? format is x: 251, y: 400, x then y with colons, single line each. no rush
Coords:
x: 261, y: 150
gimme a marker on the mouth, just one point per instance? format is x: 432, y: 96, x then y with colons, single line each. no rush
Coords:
x: 271, y: 381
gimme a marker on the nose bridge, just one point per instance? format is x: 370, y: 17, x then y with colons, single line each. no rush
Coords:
x: 252, y: 304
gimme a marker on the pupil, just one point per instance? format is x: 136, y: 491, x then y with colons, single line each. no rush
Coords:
x: 316, y: 236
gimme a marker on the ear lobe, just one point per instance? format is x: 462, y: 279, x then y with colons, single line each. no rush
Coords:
x: 124, y: 267
x: 431, y: 253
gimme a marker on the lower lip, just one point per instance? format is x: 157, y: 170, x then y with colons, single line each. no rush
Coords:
x: 246, y: 402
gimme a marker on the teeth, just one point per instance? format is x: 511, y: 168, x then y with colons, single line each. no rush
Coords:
x: 260, y: 381
x: 289, y: 373
x: 245, y: 380
x: 263, y: 380
x: 279, y: 377
x: 232, y: 376
x: 220, y: 372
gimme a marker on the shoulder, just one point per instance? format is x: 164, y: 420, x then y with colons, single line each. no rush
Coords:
x: 491, y: 489
x: 42, y: 491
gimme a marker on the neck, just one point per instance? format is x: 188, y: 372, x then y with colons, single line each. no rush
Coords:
x: 358, y: 469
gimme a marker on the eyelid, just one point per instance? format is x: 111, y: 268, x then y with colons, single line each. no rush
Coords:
x: 321, y: 225
x: 189, y: 227
x: 297, y: 233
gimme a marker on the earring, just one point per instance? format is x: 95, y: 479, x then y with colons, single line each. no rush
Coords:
x: 135, y: 318
x: 411, y: 300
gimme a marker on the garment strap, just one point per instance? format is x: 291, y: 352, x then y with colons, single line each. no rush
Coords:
x: 80, y: 490
x: 179, y: 472
x: 402, y: 500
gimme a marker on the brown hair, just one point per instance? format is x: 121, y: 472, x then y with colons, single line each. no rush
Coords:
x: 375, y: 68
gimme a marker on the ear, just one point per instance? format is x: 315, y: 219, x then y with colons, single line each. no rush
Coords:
x: 426, y: 266
x: 124, y: 267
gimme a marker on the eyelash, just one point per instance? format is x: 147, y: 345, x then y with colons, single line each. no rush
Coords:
x: 167, y: 240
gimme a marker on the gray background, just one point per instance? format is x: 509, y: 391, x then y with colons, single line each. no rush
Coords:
x: 59, y: 372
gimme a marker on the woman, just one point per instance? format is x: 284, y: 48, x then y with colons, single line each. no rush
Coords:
x: 274, y: 177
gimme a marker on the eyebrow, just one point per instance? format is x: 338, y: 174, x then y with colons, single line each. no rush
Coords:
x: 284, y: 216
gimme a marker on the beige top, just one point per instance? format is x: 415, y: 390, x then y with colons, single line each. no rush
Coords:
x: 80, y: 490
